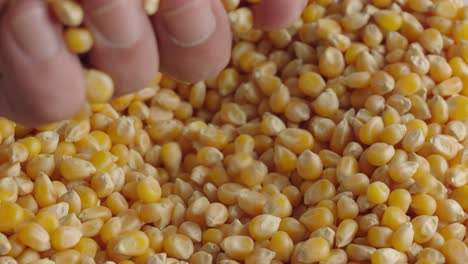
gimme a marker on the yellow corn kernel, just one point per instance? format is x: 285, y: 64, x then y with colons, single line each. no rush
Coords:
x: 413, y: 140
x: 278, y: 204
x: 326, y: 104
x: 393, y: 134
x: 388, y: 20
x: 237, y: 247
x: 372, y: 36
x: 445, y: 145
x: 110, y: 229
x: 357, y: 80
x: 380, y: 236
x: 311, y: 83
x: 379, y: 154
x: 417, y: 124
x: 431, y: 39
x: 216, y: 214
x: 122, y: 131
x: 296, y: 140
x: 459, y: 195
x: 212, y: 235
x: 356, y: 183
x: 454, y: 251
x: 87, y: 196
x: 65, y: 237
x: 241, y: 19
x: 316, y: 218
x: 345, y: 232
x: 313, y: 250
x: 78, y: 40
x: 284, y: 159
x: 440, y: 68
x: 33, y: 145
x: 252, y: 202
x: 27, y: 256
x: 309, y: 165
x: 76, y: 169
x: 371, y: 130
x: 68, y: 12
x: 47, y: 220
x: 381, y: 3
x: 408, y: 84
x: 424, y: 227
x: 282, y: 244
x: 201, y: 257
x: 66, y: 256
x: 394, y: 217
x: 464, y: 51
x: 423, y: 204
x: 13, y: 212
x: 402, y: 238
x: 294, y: 228
x: 327, y: 26
x: 319, y: 191
x: 263, y: 226
x: 87, y: 247
x: 387, y: 255
x: 347, y: 208
x: 44, y: 191
x: 271, y: 125
x: 449, y: 210
x: 121, y: 152
x: 149, y: 190
x: 34, y: 236
x: 312, y: 13
x: 8, y: 190
x: 455, y: 230
x: 253, y: 174
x: 400, y: 198
x: 42, y: 163
x: 449, y: 87
x: 133, y: 243
x: 151, y: 7
x: 99, y: 87
x: 331, y: 62
x: 457, y: 107
x: 460, y: 31
x: 378, y: 192
x: 279, y: 99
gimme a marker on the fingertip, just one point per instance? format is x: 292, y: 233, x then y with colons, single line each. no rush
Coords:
x: 125, y: 44
x: 41, y: 104
x: 194, y: 38
x: 42, y: 81
x: 37, y: 109
x: 277, y: 14
x: 44, y: 97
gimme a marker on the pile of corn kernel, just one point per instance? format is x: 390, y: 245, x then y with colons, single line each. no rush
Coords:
x: 342, y: 139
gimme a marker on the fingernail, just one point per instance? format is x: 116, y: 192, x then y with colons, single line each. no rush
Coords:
x: 35, y: 34
x: 117, y: 23
x: 190, y: 24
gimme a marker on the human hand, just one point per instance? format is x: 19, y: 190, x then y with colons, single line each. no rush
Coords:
x: 41, y: 81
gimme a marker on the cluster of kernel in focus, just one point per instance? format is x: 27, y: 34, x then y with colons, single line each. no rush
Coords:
x: 341, y: 139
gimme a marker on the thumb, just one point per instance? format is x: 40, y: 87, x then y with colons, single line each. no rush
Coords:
x: 36, y: 67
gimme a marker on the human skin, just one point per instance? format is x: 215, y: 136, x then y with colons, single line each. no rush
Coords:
x: 41, y: 81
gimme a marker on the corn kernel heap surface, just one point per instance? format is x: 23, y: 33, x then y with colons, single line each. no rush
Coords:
x: 342, y: 139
